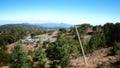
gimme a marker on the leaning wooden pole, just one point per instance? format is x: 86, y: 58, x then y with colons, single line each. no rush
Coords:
x: 84, y: 57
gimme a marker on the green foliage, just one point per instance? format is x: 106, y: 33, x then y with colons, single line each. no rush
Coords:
x: 109, y: 30
x: 112, y: 33
x: 98, y: 28
x: 40, y: 56
x: 19, y: 58
x: 116, y: 48
x: 116, y: 32
x: 62, y: 30
x: 82, y: 29
x: 4, y: 57
x: 59, y: 53
x: 32, y: 35
x: 97, y: 41
x: 13, y: 32
x: 73, y: 45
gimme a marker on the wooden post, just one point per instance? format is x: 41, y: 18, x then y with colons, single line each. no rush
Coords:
x: 84, y: 57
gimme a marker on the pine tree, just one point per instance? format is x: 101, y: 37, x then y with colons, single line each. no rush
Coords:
x: 97, y: 41
x: 40, y: 56
x: 59, y: 53
x: 4, y: 56
x: 19, y: 58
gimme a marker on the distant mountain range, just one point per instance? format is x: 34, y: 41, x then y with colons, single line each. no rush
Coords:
x: 54, y: 25
x: 37, y: 23
x: 35, y: 26
x: 21, y: 26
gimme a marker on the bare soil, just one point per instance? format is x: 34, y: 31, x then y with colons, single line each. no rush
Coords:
x: 98, y: 59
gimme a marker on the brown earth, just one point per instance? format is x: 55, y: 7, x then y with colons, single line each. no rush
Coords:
x: 98, y: 59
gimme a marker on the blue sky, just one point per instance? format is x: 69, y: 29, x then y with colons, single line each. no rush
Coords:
x: 94, y: 12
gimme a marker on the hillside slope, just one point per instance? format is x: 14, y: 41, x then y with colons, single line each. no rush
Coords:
x: 20, y: 26
x: 98, y: 59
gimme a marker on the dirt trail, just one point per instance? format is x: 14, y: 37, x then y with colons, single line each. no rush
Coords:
x: 98, y: 57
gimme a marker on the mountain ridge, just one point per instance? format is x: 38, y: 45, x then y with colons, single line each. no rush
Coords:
x: 35, y: 26
x: 55, y: 25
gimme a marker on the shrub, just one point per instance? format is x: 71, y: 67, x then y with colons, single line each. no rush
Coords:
x: 59, y: 53
x: 40, y: 56
x: 19, y: 58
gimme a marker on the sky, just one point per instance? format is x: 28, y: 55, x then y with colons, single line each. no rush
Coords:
x: 95, y: 12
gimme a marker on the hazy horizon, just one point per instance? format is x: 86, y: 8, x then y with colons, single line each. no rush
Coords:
x: 95, y: 12
x: 3, y: 22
